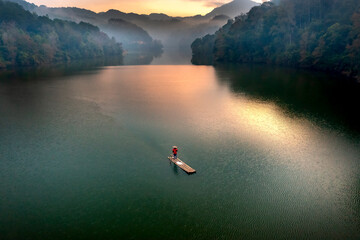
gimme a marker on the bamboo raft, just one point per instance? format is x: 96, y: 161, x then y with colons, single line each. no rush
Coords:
x: 182, y: 165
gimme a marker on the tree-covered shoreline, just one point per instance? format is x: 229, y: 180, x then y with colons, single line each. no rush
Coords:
x: 322, y: 35
x: 30, y: 40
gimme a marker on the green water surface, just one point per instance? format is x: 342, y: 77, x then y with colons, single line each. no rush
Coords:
x: 83, y: 153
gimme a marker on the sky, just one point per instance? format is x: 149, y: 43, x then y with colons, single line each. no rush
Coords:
x: 170, y: 7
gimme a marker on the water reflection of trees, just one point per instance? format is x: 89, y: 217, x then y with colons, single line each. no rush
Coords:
x: 57, y: 70
x: 140, y: 58
x: 322, y: 97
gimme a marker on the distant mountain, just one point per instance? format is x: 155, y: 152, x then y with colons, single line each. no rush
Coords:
x: 115, y: 23
x: 159, y: 17
x: 220, y: 18
x: 113, y: 13
x: 175, y: 33
x: 134, y: 32
x: 69, y: 13
x: 232, y: 9
x: 142, y: 20
x: 136, y: 39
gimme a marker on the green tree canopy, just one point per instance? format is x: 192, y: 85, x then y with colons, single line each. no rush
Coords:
x: 319, y: 34
x: 27, y: 39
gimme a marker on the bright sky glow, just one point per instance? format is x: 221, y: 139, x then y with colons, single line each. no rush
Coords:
x: 170, y: 7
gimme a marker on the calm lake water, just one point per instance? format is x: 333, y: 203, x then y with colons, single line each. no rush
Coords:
x: 83, y: 153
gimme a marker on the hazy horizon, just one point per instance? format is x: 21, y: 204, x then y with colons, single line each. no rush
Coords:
x: 180, y: 8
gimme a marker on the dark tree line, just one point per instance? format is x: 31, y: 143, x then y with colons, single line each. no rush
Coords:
x: 318, y: 34
x: 29, y: 40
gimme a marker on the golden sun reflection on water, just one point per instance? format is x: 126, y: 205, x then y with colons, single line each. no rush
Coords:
x: 313, y: 155
x: 258, y: 161
x: 293, y: 141
x: 191, y: 100
x: 268, y: 124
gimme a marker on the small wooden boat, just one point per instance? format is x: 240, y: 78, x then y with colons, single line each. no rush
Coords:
x: 182, y: 165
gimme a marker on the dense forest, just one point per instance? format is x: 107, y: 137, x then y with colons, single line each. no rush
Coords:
x: 30, y: 40
x: 317, y: 34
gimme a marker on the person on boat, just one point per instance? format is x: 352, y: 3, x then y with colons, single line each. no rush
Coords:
x: 175, y: 151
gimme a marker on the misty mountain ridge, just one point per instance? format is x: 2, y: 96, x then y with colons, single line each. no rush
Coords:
x: 135, y: 39
x: 222, y: 13
x: 232, y: 9
x: 175, y: 33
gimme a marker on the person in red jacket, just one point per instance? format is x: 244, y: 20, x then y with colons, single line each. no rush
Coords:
x: 175, y: 151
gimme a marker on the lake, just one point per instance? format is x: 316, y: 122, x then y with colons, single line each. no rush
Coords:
x: 83, y: 153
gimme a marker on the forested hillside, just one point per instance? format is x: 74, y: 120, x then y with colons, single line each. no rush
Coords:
x: 134, y: 39
x: 29, y: 40
x: 321, y: 34
x: 145, y: 37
